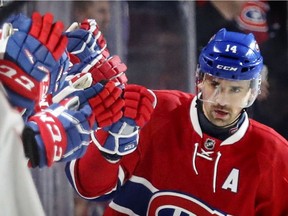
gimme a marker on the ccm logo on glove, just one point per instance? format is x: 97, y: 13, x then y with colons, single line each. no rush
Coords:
x: 15, y: 78
x: 54, y: 133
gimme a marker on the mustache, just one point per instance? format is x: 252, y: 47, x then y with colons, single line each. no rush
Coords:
x: 220, y: 107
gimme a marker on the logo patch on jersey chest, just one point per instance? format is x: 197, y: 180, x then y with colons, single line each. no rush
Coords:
x: 209, y: 144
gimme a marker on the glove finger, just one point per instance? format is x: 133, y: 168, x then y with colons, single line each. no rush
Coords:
x: 134, y: 88
x: 145, y: 112
x: 131, y: 92
x: 108, y: 119
x: 141, y: 121
x: 130, y: 112
x: 94, y: 90
x: 46, y: 28
x: 121, y: 67
x: 107, y: 70
x: 146, y: 105
x: 101, y: 41
x: 105, y: 120
x: 60, y: 48
x: 131, y: 96
x: 55, y: 35
x: 146, y: 94
x: 120, y: 80
x: 132, y: 103
x: 20, y: 22
x: 117, y: 116
x: 84, y: 25
x: 113, y: 114
x: 109, y: 91
x: 36, y: 24
x: 115, y: 108
x: 114, y: 95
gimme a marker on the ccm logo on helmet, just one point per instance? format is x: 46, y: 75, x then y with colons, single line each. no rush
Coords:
x: 227, y: 68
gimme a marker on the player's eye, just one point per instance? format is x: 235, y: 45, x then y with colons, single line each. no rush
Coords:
x: 214, y: 83
x: 235, y: 89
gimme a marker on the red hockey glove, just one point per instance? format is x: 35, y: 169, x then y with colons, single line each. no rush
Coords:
x: 107, y: 105
x: 122, y: 137
x: 102, y: 69
x: 139, y: 103
x: 32, y: 49
x: 109, y: 69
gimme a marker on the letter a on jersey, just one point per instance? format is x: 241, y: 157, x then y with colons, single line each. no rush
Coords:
x: 231, y: 181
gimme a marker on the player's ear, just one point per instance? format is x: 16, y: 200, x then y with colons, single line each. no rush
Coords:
x: 200, y: 86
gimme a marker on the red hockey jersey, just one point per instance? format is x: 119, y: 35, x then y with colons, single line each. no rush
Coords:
x: 179, y: 170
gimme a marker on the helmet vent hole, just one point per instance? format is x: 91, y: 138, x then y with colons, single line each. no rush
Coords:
x: 244, y: 70
x: 228, y: 57
x: 209, y: 62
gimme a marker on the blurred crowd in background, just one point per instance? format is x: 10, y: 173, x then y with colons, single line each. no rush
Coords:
x: 159, y: 42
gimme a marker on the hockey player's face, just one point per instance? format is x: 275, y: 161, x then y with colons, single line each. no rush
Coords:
x: 223, y: 100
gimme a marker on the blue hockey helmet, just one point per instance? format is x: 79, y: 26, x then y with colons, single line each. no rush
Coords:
x: 231, y: 55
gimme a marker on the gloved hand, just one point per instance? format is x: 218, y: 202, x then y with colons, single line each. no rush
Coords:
x: 30, y: 52
x: 62, y: 131
x: 85, y: 39
x: 121, y: 138
x: 102, y: 69
x: 110, y: 69
x: 107, y: 105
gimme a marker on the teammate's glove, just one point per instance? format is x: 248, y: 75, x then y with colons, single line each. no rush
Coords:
x: 110, y: 69
x: 62, y: 132
x: 122, y: 137
x: 85, y: 39
x: 101, y: 68
x: 30, y: 52
x: 107, y: 105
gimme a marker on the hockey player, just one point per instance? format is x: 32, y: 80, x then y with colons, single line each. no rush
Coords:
x: 198, y: 154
